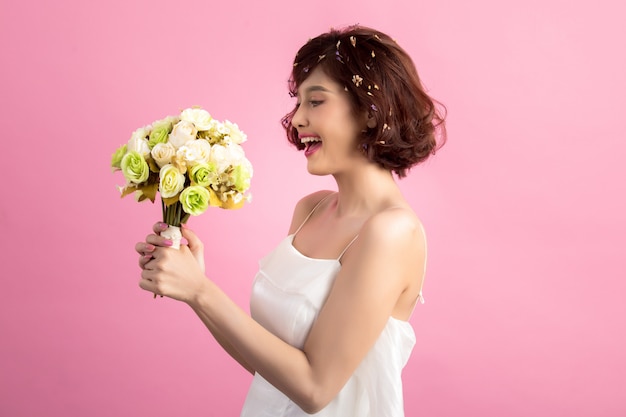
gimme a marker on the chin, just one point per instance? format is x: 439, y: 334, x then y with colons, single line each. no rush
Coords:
x: 317, y: 171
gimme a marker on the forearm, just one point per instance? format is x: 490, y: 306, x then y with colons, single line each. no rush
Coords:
x: 284, y: 366
x: 223, y: 342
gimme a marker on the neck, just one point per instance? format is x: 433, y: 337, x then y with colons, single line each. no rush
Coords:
x: 365, y: 190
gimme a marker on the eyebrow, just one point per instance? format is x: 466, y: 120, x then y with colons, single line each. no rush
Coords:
x: 313, y: 88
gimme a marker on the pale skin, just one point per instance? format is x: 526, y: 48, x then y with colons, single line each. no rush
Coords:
x: 380, y: 277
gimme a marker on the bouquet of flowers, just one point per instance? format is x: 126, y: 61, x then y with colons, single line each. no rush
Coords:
x: 192, y: 160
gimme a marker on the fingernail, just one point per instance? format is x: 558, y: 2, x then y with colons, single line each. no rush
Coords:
x: 168, y: 242
x: 149, y: 247
x: 163, y: 225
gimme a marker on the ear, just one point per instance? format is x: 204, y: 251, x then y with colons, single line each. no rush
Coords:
x: 371, y: 121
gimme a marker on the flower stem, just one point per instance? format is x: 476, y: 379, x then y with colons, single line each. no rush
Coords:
x: 173, y: 213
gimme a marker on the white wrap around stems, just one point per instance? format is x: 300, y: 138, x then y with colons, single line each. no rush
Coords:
x: 173, y: 233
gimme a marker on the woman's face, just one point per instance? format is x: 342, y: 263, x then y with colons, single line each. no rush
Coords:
x: 326, y: 124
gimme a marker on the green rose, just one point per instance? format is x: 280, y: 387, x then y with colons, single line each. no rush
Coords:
x: 160, y: 132
x: 171, y: 181
x: 203, y: 174
x: 116, y: 159
x: 195, y: 199
x: 134, y: 167
x: 241, y: 175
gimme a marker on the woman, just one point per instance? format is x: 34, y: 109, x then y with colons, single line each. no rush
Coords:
x: 329, y: 331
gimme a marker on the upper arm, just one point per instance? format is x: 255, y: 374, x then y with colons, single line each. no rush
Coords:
x: 388, y: 254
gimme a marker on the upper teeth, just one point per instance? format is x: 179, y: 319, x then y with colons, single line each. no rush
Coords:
x: 310, y: 139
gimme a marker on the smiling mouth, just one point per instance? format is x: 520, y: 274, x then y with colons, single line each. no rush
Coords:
x: 311, y: 143
x: 310, y: 139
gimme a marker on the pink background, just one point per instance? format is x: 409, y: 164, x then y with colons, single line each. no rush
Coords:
x: 524, y: 206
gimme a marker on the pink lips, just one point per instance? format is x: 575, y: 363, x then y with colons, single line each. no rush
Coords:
x: 311, y: 148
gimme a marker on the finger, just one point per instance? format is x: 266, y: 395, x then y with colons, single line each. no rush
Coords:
x: 144, y: 248
x: 158, y: 241
x: 150, y: 283
x: 193, y: 241
x: 158, y: 227
x: 146, y: 284
x: 143, y: 260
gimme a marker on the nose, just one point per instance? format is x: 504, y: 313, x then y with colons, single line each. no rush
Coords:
x: 299, y: 119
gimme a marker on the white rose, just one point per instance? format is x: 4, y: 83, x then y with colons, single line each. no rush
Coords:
x: 182, y: 133
x: 227, y: 155
x: 162, y: 153
x: 139, y: 143
x: 235, y: 153
x: 234, y: 135
x: 199, y: 117
x: 194, y: 152
x: 220, y: 157
x: 200, y: 150
x: 171, y: 181
x: 141, y: 133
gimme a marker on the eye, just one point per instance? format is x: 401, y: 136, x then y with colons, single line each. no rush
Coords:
x: 315, y: 103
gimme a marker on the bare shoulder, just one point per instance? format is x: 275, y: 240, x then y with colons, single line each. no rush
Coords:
x: 391, y: 251
x: 395, y: 227
x: 304, y: 207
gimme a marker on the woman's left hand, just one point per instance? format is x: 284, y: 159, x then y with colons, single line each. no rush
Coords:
x: 178, y: 274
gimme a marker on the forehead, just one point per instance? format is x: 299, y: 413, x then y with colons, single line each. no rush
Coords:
x: 318, y: 81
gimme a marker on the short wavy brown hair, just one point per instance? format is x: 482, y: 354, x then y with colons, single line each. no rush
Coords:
x: 381, y: 79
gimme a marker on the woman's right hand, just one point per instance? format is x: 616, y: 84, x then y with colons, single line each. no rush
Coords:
x: 146, y: 249
x: 174, y: 273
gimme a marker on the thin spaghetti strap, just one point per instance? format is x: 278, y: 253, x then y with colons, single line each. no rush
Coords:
x: 346, y: 248
x: 420, y: 295
x: 312, y: 211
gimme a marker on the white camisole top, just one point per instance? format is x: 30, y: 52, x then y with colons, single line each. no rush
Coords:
x: 288, y: 292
